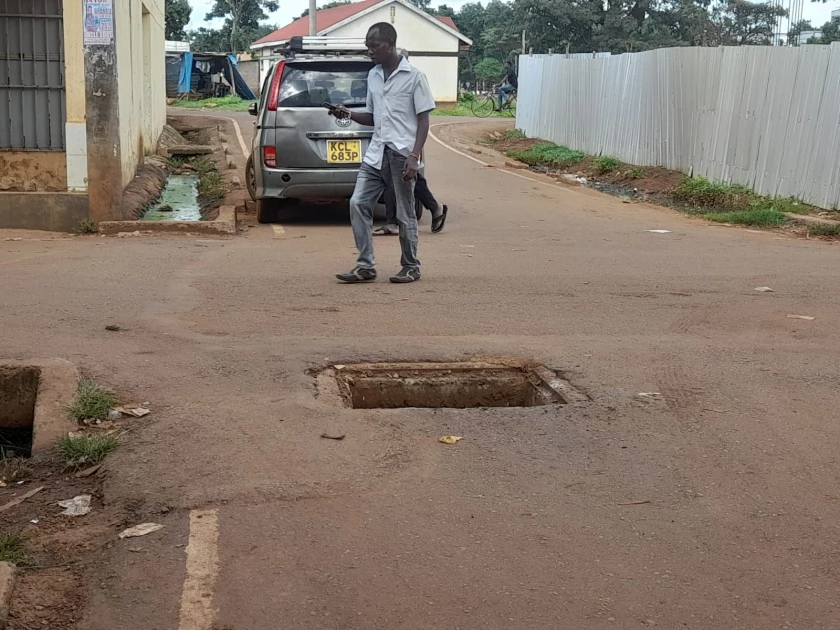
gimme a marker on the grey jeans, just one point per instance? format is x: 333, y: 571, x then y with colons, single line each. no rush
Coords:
x: 370, y: 185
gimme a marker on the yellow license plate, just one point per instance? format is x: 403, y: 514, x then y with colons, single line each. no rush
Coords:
x: 344, y: 151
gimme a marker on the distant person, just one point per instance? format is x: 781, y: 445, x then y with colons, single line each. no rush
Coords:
x: 398, y: 104
x: 421, y: 193
x: 509, y: 84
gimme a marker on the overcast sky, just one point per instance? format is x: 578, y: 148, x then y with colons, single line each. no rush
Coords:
x: 816, y: 12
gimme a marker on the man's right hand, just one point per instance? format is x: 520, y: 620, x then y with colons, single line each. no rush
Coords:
x: 340, y: 112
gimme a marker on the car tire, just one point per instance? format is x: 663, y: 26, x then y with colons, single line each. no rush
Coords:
x: 251, y: 178
x: 266, y: 210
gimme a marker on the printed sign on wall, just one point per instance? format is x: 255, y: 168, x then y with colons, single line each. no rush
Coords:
x: 99, y: 22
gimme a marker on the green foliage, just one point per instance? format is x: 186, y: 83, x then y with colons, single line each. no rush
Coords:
x: 489, y: 70
x: 824, y: 229
x: 93, y: 402
x: 86, y: 226
x: 466, y: 97
x: 13, y: 549
x: 514, y: 134
x: 328, y: 5
x: 701, y: 193
x: 635, y: 173
x: 756, y: 217
x: 241, y: 27
x: 211, y: 185
x: 547, y: 154
x: 606, y: 164
x: 79, y: 451
x: 229, y: 103
x: 178, y: 14
x: 830, y: 32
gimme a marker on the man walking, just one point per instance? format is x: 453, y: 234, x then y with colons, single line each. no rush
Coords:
x: 509, y: 83
x: 398, y: 104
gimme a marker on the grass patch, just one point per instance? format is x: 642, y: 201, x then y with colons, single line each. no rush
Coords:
x: 635, y: 173
x: 513, y: 134
x: 225, y: 103
x: 13, y: 549
x: 606, y: 164
x: 824, y: 229
x: 14, y: 469
x: 86, y: 226
x: 701, y: 193
x: 86, y: 450
x: 756, y: 217
x: 92, y: 402
x: 211, y: 185
x: 547, y: 154
x: 465, y: 109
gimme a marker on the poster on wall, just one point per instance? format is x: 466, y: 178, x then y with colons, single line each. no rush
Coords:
x: 99, y: 22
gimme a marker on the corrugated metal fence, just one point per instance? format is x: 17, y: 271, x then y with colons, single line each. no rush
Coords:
x: 32, y: 98
x: 765, y: 117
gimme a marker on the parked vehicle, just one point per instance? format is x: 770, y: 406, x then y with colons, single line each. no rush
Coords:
x: 299, y: 151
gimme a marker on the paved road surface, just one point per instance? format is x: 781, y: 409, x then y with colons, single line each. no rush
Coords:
x: 535, y: 520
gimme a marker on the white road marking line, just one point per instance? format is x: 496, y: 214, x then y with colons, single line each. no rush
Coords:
x: 279, y: 230
x: 474, y: 159
x: 197, y: 610
x: 242, y: 144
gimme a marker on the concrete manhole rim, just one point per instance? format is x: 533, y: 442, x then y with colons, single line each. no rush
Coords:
x: 333, y: 383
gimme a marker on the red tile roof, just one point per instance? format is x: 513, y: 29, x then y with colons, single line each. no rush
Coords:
x: 326, y: 18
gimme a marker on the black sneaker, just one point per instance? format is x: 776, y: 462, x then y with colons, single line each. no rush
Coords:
x: 406, y: 275
x: 359, y: 274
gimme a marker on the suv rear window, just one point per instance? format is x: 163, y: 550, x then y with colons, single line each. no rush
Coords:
x: 311, y: 84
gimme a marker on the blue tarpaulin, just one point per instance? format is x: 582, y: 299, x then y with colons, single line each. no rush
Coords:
x: 185, y: 78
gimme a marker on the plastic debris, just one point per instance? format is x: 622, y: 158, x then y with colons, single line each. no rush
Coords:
x: 141, y: 530
x: 649, y: 394
x: 113, y: 328
x: 77, y: 506
x: 807, y: 318
x: 114, y: 415
x: 450, y: 439
x: 137, y: 412
x: 764, y: 290
x: 659, y: 231
x: 333, y: 436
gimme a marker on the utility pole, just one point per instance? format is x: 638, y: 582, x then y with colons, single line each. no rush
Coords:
x: 523, y: 41
x: 313, y: 19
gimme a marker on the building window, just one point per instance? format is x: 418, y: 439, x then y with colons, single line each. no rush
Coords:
x: 32, y: 99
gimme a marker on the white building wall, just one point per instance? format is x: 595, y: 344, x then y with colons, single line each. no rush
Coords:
x: 442, y: 74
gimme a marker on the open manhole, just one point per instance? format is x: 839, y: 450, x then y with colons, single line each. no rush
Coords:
x: 18, y: 395
x: 445, y: 385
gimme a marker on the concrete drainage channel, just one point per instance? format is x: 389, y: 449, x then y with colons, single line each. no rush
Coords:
x: 444, y: 386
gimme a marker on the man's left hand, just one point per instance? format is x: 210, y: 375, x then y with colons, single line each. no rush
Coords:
x: 412, y: 165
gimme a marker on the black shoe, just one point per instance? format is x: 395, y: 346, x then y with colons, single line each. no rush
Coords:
x: 439, y: 221
x: 359, y: 274
x: 406, y: 275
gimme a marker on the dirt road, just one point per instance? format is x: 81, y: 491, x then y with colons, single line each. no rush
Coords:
x: 712, y: 505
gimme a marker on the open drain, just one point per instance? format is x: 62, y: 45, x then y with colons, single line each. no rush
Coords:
x: 445, y: 385
x: 18, y: 394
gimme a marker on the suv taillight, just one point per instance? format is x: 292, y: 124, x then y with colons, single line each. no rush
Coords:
x: 274, y: 90
x: 270, y: 157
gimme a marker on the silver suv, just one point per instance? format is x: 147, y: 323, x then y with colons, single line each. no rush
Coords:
x: 299, y: 150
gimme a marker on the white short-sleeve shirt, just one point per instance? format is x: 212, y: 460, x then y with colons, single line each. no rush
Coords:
x: 395, y: 105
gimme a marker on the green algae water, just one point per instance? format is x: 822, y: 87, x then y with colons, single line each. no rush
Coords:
x: 180, y: 194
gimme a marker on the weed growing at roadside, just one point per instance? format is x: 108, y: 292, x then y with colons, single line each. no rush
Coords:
x: 514, y: 134
x: 13, y: 549
x: 14, y: 469
x: 86, y: 450
x: 606, y: 164
x: 547, y: 154
x: 635, y: 173
x: 211, y: 184
x: 86, y: 226
x: 227, y: 103
x: 757, y: 217
x: 92, y: 402
x: 824, y: 229
x: 700, y: 192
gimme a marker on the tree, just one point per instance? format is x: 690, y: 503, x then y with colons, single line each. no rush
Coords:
x: 421, y: 4
x: 178, y: 14
x: 328, y: 5
x: 489, y: 70
x: 242, y: 19
x: 740, y: 22
x: 218, y: 40
x: 830, y: 32
x: 444, y: 10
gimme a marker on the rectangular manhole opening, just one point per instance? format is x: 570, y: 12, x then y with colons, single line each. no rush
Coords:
x: 18, y: 394
x: 449, y: 385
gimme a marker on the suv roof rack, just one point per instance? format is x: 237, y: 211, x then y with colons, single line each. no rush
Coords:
x: 322, y: 45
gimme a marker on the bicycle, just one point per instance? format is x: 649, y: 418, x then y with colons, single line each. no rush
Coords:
x: 486, y: 106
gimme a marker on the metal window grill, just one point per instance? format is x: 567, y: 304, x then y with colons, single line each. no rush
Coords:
x: 32, y: 96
